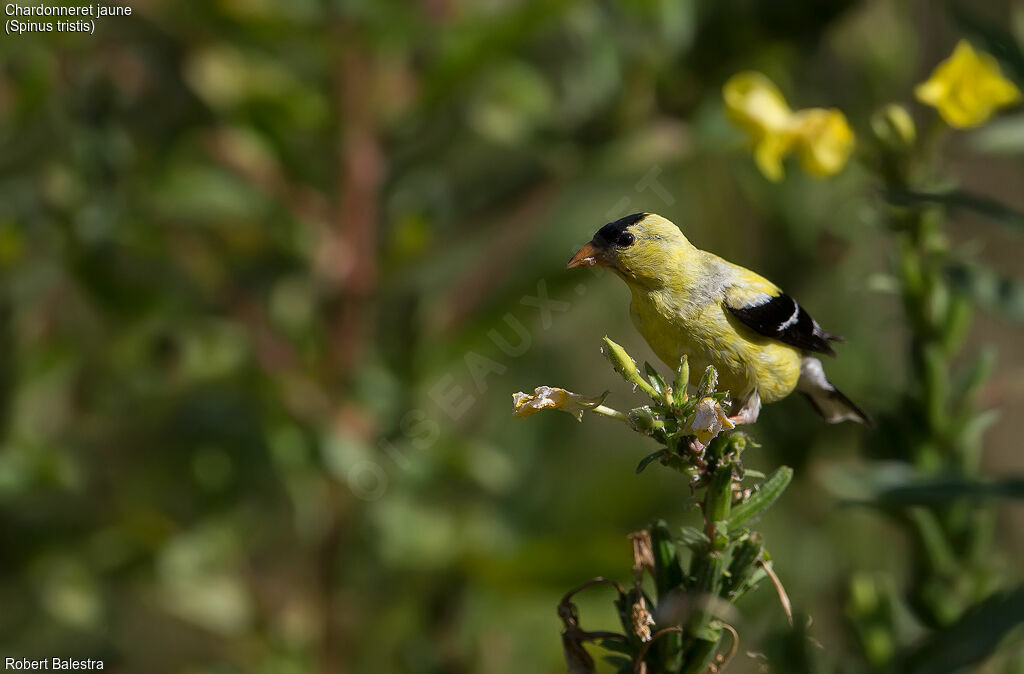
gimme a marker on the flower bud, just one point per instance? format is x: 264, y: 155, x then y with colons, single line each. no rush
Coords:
x: 626, y: 366
x: 644, y: 420
x: 708, y: 382
x: 894, y: 128
x: 681, y: 381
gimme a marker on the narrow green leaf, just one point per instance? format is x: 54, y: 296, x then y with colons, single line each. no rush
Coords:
x: 1002, y: 136
x: 992, y: 37
x: 956, y: 200
x: 656, y: 379
x: 989, y: 289
x: 895, y: 484
x: 646, y: 461
x: 769, y: 491
x: 932, y: 539
x: 623, y: 663
x: 956, y: 323
x: 700, y: 652
x: 936, y: 387
x: 970, y: 639
x: 693, y: 538
x: 668, y: 573
x: 616, y: 646
x: 742, y: 564
x: 971, y: 378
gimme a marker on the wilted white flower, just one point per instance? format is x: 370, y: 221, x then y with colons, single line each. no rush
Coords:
x: 642, y: 620
x: 709, y: 420
x: 552, y: 398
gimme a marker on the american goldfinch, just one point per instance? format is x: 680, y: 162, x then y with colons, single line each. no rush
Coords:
x: 688, y: 301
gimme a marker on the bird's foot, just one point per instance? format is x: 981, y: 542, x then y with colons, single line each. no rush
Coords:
x: 749, y: 411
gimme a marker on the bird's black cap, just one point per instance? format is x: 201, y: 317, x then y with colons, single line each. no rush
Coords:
x: 610, y: 233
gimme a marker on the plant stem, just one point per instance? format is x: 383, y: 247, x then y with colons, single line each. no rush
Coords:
x: 606, y: 411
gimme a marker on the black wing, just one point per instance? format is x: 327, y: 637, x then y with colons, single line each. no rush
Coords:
x: 783, y: 319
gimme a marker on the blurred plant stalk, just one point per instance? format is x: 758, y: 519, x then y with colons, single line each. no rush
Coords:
x: 676, y: 613
x: 952, y: 540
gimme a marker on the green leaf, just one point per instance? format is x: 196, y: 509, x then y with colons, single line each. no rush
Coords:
x: 624, y: 664
x: 744, y: 555
x: 1002, y: 136
x: 891, y: 483
x: 694, y: 539
x: 956, y: 200
x: 668, y: 573
x: 795, y: 650
x: 768, y: 492
x: 991, y: 37
x: 616, y: 646
x: 646, y: 461
x: 989, y: 289
x: 943, y: 490
x: 932, y: 540
x: 973, y: 375
x: 656, y: 379
x: 970, y: 639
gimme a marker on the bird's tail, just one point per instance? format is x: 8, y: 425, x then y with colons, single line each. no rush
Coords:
x: 829, y: 401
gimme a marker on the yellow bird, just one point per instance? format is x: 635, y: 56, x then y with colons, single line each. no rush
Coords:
x: 689, y: 302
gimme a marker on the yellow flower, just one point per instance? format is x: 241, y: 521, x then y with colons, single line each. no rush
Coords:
x: 822, y: 138
x: 967, y: 87
x: 551, y: 398
x: 825, y: 140
x: 709, y: 420
x: 756, y: 105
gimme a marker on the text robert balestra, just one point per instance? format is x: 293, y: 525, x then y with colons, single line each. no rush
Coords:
x: 50, y: 664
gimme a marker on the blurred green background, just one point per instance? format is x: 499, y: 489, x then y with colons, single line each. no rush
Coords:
x: 271, y: 272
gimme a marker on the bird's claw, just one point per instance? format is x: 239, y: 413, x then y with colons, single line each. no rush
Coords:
x: 749, y: 411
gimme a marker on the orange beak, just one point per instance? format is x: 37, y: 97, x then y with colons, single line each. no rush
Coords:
x: 588, y: 256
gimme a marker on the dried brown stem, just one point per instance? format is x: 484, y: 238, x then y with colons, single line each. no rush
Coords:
x: 787, y: 606
x: 638, y: 665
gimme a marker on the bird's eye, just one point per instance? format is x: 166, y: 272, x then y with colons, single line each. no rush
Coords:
x: 625, y: 239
